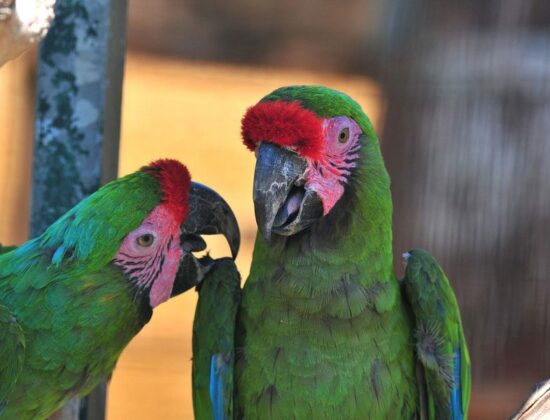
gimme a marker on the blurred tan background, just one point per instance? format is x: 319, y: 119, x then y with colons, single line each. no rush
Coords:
x: 459, y: 93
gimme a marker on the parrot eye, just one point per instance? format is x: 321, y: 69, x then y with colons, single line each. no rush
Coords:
x: 343, y: 136
x: 145, y: 240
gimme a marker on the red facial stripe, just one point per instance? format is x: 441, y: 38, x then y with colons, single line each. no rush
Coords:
x: 175, y: 182
x: 287, y: 124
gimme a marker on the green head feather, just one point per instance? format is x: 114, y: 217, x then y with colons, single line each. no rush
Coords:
x: 92, y: 231
x: 326, y: 103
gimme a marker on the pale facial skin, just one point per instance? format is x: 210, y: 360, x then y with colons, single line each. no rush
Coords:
x: 328, y: 176
x: 150, y: 255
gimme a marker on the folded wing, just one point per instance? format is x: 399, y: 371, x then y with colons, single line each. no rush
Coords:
x: 214, y: 342
x: 444, y: 363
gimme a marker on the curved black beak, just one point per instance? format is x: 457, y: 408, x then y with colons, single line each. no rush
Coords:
x: 281, y: 202
x: 209, y: 214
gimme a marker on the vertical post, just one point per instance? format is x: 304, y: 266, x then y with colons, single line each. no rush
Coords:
x: 81, y: 64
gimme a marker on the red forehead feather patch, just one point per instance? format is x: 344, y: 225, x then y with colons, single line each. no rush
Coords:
x: 175, y: 182
x: 287, y: 124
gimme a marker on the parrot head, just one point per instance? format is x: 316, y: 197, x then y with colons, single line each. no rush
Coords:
x: 147, y: 224
x: 309, y: 143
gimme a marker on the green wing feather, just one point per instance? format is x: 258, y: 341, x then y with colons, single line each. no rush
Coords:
x: 440, y: 344
x: 12, y: 353
x: 214, y: 341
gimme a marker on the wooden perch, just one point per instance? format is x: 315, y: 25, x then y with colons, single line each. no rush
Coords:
x: 22, y: 24
x: 537, y: 405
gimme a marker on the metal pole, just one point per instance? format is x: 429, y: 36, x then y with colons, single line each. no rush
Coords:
x: 81, y: 65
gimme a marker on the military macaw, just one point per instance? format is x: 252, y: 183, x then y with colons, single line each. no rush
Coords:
x: 72, y: 298
x: 324, y: 329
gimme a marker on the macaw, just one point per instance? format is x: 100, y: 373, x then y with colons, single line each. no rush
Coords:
x: 72, y: 298
x: 324, y: 328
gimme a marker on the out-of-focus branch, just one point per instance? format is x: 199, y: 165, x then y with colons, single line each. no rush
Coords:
x: 537, y: 405
x: 22, y: 23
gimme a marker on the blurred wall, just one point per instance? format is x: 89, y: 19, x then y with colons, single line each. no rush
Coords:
x: 467, y: 143
x: 317, y: 34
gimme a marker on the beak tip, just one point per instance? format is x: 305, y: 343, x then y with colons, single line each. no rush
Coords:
x: 233, y: 235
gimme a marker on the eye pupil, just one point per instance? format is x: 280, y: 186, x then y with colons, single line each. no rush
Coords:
x: 344, y: 135
x: 145, y: 240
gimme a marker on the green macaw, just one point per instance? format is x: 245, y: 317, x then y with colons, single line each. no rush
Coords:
x: 324, y: 328
x: 72, y: 298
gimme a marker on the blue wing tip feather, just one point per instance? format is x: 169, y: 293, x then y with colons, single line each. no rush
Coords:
x: 216, y: 388
x: 456, y: 395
